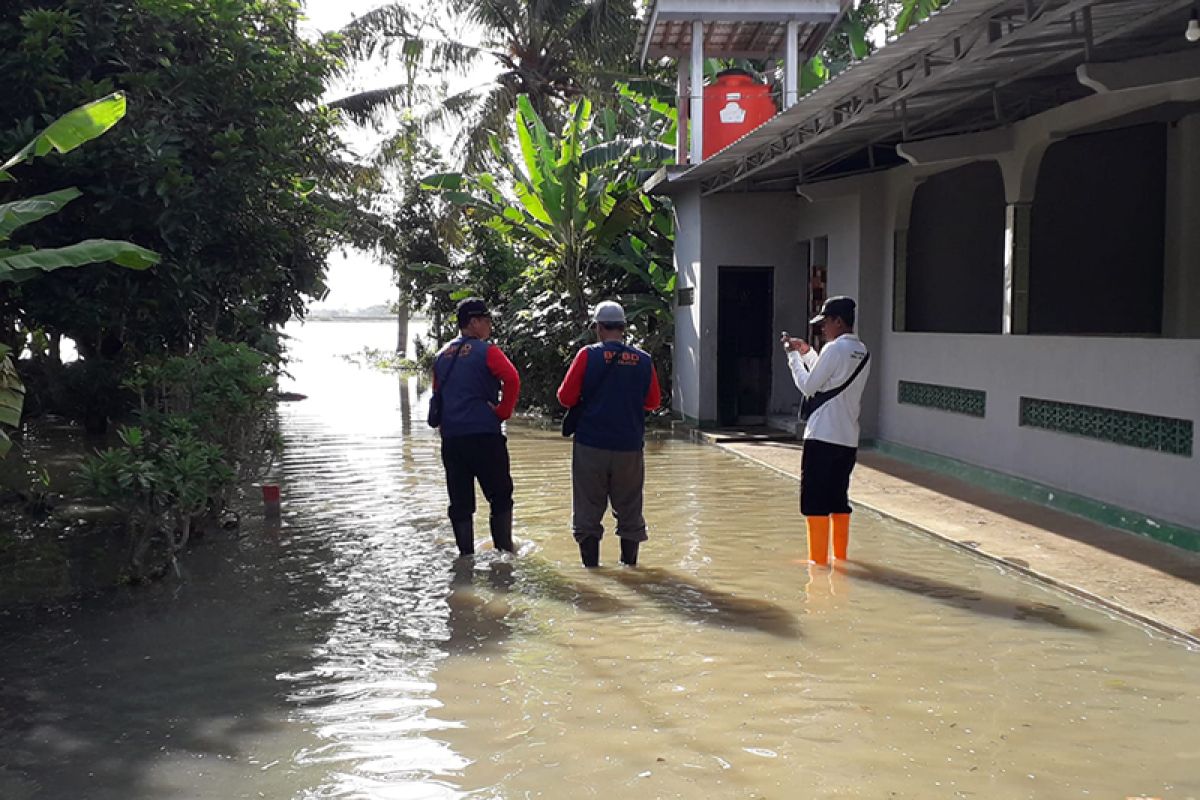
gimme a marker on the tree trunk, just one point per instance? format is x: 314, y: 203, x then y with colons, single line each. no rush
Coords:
x: 55, y: 350
x: 402, y: 315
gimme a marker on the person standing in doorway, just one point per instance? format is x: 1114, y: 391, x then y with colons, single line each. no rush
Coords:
x: 617, y: 384
x: 478, y: 386
x: 831, y: 383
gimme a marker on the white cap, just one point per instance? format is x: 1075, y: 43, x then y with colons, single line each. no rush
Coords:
x: 610, y: 313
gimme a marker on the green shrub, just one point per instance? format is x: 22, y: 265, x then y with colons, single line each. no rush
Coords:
x: 206, y: 424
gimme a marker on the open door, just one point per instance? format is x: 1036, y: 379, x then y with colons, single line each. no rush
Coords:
x: 745, y: 316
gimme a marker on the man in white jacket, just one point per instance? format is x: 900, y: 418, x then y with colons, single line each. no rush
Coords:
x: 831, y: 383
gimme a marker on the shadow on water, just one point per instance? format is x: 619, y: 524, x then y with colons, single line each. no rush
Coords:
x: 696, y: 601
x: 482, y: 612
x: 540, y: 579
x: 973, y: 600
x: 112, y: 685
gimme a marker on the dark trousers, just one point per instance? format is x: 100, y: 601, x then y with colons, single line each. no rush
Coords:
x: 600, y: 477
x: 483, y: 458
x: 825, y: 478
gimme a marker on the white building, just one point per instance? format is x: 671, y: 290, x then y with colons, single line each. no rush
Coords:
x: 1011, y: 192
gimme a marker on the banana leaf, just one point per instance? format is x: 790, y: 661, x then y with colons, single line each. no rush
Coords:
x: 73, y: 129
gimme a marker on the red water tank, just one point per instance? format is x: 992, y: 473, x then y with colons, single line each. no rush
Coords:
x: 734, y: 104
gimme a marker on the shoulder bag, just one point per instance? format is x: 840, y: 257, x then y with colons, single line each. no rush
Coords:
x: 435, y: 402
x: 808, y: 405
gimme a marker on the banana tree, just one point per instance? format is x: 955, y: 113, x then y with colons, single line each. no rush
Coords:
x: 564, y: 201
x: 22, y: 263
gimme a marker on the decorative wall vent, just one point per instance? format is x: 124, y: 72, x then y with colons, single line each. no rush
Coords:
x: 971, y: 402
x: 1147, y: 431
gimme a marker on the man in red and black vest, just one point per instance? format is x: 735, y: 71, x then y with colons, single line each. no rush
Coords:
x: 617, y: 384
x: 479, y: 388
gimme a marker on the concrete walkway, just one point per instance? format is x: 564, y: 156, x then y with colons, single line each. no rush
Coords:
x: 1155, y: 583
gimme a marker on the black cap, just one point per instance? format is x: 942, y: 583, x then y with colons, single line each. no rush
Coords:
x: 840, y: 307
x: 469, y: 308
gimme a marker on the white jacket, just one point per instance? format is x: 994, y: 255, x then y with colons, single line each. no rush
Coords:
x: 835, y: 422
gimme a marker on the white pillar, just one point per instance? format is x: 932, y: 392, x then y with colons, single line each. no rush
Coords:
x: 1017, y: 233
x: 791, y: 66
x: 683, y: 99
x: 697, y: 91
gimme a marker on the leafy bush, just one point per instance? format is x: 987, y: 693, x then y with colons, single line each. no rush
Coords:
x: 205, y: 426
x: 162, y: 480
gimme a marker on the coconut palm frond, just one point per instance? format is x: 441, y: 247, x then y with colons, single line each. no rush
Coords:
x: 505, y: 17
x: 490, y: 120
x: 601, y: 23
x: 374, y: 105
x: 367, y: 35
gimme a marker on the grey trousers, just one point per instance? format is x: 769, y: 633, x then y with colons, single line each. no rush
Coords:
x: 600, y: 476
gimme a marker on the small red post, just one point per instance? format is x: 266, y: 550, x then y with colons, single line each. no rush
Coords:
x: 271, y: 499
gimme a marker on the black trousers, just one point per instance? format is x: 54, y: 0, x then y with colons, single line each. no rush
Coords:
x: 483, y: 458
x: 825, y: 478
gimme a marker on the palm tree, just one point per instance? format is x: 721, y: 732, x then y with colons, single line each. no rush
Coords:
x: 552, y: 51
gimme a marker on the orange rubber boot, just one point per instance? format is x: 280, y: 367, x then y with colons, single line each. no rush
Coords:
x: 841, y: 535
x: 818, y: 539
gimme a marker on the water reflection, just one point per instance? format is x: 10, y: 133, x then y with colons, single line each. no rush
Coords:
x: 482, y: 615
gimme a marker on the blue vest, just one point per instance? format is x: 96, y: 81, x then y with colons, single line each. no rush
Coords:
x: 613, y: 417
x: 469, y: 389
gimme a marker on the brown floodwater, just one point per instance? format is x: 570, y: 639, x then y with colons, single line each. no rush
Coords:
x: 344, y: 653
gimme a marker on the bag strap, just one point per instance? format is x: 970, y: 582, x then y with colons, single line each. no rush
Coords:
x: 607, y: 368
x: 826, y: 396
x: 453, y: 364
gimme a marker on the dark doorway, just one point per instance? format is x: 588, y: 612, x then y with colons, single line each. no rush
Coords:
x: 745, y: 313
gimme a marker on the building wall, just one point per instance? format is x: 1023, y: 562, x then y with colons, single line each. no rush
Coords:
x: 755, y: 230
x: 852, y: 215
x: 1147, y: 375
x: 1132, y: 374
x: 861, y: 218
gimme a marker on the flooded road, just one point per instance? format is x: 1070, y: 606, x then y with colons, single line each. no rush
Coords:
x: 345, y: 654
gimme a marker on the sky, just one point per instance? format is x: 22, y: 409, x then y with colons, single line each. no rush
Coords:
x: 355, y: 279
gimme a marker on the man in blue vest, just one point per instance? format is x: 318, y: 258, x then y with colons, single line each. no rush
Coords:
x: 479, y: 388
x: 617, y: 384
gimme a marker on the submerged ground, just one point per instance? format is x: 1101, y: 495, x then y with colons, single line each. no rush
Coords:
x: 344, y: 653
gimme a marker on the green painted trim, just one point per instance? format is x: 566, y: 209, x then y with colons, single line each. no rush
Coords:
x: 1033, y: 492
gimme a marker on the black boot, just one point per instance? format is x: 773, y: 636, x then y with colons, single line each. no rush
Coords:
x: 629, y: 551
x: 464, y: 535
x: 589, y: 551
x: 502, y: 530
